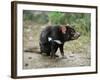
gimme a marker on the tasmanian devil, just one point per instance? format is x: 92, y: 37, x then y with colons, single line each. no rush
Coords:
x: 54, y: 37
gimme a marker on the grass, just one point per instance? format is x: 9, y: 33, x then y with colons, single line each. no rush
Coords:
x: 32, y: 32
x: 80, y: 48
x: 79, y: 45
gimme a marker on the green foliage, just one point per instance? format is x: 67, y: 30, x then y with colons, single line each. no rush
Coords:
x: 34, y: 16
x: 27, y: 15
x: 56, y: 18
x: 81, y: 21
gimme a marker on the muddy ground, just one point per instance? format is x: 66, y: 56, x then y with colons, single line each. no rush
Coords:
x: 35, y: 60
x: 77, y: 52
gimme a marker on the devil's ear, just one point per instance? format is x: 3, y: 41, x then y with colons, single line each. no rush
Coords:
x: 63, y: 29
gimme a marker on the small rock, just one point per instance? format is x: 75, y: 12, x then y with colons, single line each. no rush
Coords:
x: 71, y: 55
x: 72, y: 52
x: 29, y: 57
x: 26, y: 64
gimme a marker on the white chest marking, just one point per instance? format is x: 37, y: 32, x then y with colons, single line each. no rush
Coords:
x: 57, y: 41
x: 49, y: 39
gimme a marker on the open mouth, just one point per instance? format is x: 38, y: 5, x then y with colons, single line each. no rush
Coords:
x: 76, y: 36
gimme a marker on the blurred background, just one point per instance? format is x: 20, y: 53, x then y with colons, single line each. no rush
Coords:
x: 35, y: 21
x: 77, y: 51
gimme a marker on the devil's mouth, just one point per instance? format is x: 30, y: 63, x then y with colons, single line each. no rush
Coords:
x: 76, y: 36
x: 73, y: 38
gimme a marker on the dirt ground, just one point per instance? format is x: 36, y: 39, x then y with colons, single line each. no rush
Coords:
x: 32, y: 60
x: 77, y: 52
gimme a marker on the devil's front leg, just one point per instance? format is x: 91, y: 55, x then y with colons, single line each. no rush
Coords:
x: 54, y: 48
x: 62, y: 50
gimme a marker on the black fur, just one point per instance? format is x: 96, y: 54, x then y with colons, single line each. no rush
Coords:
x: 54, y: 32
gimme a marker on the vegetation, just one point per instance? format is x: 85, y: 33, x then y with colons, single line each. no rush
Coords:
x: 78, y: 52
x: 81, y: 21
x: 35, y: 20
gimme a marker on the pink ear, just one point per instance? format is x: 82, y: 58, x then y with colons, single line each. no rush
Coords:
x: 63, y: 29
